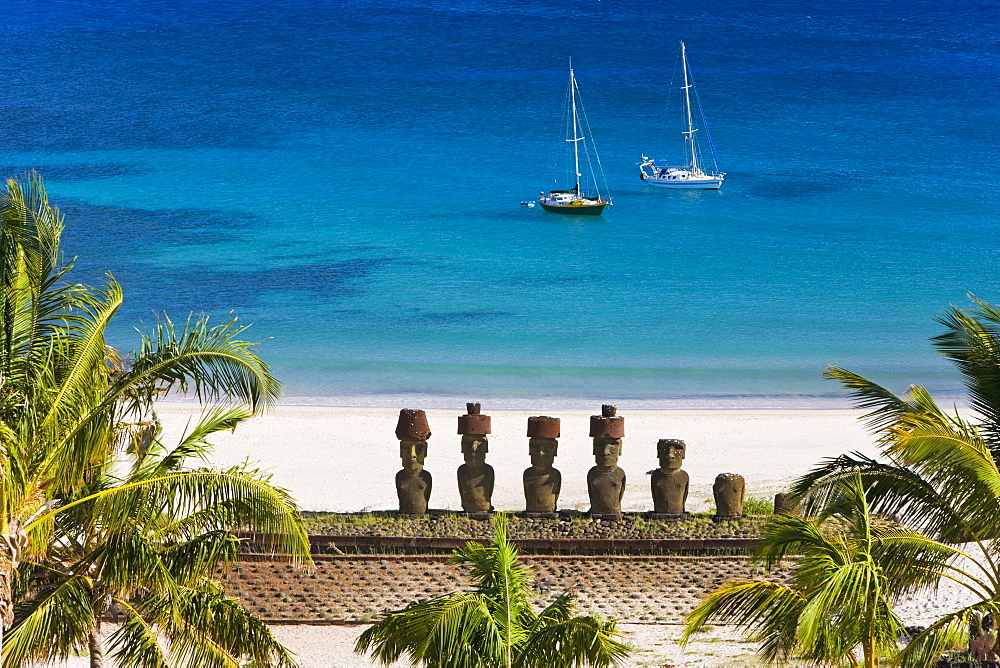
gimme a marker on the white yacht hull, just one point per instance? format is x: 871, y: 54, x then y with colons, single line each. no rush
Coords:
x: 695, y: 184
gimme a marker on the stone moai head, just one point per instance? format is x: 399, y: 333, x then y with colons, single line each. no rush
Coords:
x: 542, y: 444
x: 670, y: 452
x: 412, y: 453
x: 607, y: 430
x: 729, y: 490
x: 412, y: 431
x: 474, y: 427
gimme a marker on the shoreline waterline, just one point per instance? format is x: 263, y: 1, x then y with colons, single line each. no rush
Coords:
x: 541, y: 402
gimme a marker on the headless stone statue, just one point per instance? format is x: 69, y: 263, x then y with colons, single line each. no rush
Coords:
x: 413, y: 483
x: 475, y: 476
x: 606, y: 481
x: 729, y: 490
x: 542, y: 482
x: 669, y: 483
x: 784, y: 504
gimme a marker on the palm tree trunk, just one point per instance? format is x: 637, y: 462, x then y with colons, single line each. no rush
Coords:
x: 96, y: 651
x: 868, y: 647
x: 93, y: 637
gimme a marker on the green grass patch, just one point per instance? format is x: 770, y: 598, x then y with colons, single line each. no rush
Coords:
x: 449, y: 524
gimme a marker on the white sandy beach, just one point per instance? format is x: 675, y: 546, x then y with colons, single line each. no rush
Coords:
x: 344, y: 459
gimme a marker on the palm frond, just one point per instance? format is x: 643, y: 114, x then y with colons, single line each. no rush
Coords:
x: 508, y: 586
x: 211, y: 361
x: 440, y: 632
x: 213, y: 621
x: 560, y: 609
x: 124, y: 561
x: 135, y: 644
x: 193, y: 443
x: 784, y: 534
x: 261, y: 508
x: 857, y: 597
x: 107, y: 509
x: 959, y: 467
x: 190, y: 643
x: 88, y: 350
x: 891, y: 490
x: 950, y: 631
x: 767, y: 612
x: 579, y: 641
x: 972, y: 343
x: 52, y: 625
x: 886, y: 407
x: 199, y: 557
x: 913, y: 562
x: 492, y: 625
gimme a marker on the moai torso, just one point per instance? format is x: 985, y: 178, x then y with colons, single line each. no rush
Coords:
x: 541, y: 489
x: 606, y: 486
x: 414, y: 491
x: 475, y: 485
x: 670, y: 491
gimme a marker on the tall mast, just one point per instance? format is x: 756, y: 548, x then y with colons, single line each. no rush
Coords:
x: 687, y: 104
x: 575, y: 140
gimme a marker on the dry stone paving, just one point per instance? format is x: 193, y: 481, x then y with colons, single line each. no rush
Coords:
x: 354, y: 589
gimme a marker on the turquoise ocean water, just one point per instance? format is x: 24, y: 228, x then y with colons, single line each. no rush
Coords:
x: 346, y: 176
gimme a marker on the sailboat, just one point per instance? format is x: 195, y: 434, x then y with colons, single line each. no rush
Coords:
x: 691, y: 175
x: 574, y: 201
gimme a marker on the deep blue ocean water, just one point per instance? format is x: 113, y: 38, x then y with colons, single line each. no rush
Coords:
x: 346, y: 176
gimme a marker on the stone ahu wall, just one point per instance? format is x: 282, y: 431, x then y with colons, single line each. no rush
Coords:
x: 356, y: 588
x: 669, y: 483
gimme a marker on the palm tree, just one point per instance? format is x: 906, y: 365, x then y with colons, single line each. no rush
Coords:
x: 844, y: 577
x: 72, y: 410
x: 938, y: 472
x: 149, y: 551
x: 493, y: 624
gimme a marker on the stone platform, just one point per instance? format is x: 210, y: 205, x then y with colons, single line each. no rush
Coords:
x: 355, y: 588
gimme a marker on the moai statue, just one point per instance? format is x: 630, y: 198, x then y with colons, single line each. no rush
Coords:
x: 413, y: 483
x: 669, y: 483
x: 542, y: 482
x: 475, y: 476
x: 784, y: 504
x: 729, y: 490
x: 606, y: 481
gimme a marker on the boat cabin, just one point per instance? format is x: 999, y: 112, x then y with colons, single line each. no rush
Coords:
x: 561, y: 197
